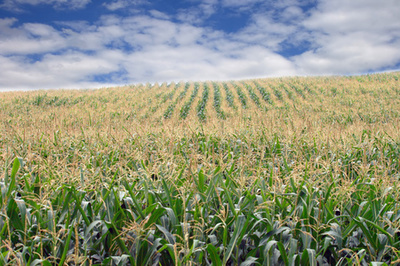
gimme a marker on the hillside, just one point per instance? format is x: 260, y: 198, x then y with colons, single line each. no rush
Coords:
x: 287, y: 171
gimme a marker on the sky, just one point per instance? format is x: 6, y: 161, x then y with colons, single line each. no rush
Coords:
x: 50, y: 44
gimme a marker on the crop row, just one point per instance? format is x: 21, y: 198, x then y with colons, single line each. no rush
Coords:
x: 217, y: 101
x: 170, y: 95
x: 264, y: 93
x: 229, y: 96
x: 186, y: 107
x: 201, y: 112
x: 277, y: 93
x: 279, y: 89
x: 242, y: 95
x: 253, y: 95
x: 298, y: 90
x: 170, y: 109
x: 288, y: 91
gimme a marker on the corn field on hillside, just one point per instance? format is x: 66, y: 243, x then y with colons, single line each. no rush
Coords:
x: 285, y: 171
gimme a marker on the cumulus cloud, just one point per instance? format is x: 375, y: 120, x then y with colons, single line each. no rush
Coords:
x: 351, y: 36
x: 140, y: 48
x: 265, y: 31
x: 334, y: 37
x: 30, y: 38
x: 68, y: 70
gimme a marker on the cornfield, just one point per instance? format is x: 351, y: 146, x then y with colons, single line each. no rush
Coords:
x: 285, y: 171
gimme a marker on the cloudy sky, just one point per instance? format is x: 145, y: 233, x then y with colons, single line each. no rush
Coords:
x: 97, y: 43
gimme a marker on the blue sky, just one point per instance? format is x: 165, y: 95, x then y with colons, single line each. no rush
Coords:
x: 96, y: 43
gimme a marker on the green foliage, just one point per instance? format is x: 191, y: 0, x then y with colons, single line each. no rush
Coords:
x: 171, y: 107
x: 298, y: 90
x: 277, y: 93
x: 229, y: 96
x: 217, y: 101
x: 242, y: 95
x: 314, y: 182
x: 216, y: 220
x: 201, y: 107
x: 288, y: 91
x: 253, y: 95
x: 264, y: 93
x: 187, y: 105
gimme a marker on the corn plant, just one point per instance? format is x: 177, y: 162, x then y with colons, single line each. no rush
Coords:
x: 264, y: 93
x: 202, y: 103
x: 102, y: 180
x: 277, y: 93
x: 229, y: 96
x: 242, y: 96
x: 253, y: 95
x: 288, y: 92
x: 171, y: 94
x: 187, y: 105
x: 217, y: 101
x: 298, y: 90
x: 171, y: 107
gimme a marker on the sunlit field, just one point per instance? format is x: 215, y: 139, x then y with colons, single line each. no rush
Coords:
x: 286, y: 171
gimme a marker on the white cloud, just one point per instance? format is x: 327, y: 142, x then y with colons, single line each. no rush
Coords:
x: 352, y: 37
x: 265, y: 31
x: 146, y: 48
x: 160, y: 15
x: 343, y: 16
x: 116, y: 5
x: 150, y: 48
x: 68, y: 70
x: 30, y: 38
x: 199, y: 13
x: 121, y: 4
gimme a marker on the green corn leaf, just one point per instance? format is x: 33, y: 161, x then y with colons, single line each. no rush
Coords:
x: 137, y: 206
x: 79, y: 206
x: 304, y: 258
x: 282, y: 250
x: 92, y: 226
x: 371, y: 239
x: 312, y: 257
x: 12, y: 182
x: 238, y: 233
x: 201, y: 181
x: 170, y: 238
x: 292, y: 252
x: 167, y: 192
x: 230, y: 202
x: 23, y: 211
x: 66, y: 247
x: 250, y: 261
x: 335, y: 234
x: 376, y: 226
x: 40, y: 262
x: 116, y: 236
x: 267, y: 252
x: 154, y: 246
x: 120, y: 260
x: 213, y: 252
x: 154, y: 216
